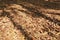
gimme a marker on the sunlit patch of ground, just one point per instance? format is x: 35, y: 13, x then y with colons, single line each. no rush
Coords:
x: 33, y: 22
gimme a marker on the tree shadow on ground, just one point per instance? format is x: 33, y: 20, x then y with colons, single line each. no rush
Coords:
x: 45, y: 4
x: 19, y: 27
x: 55, y: 13
x: 36, y: 13
x: 51, y: 5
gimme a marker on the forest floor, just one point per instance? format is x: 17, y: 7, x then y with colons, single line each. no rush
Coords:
x: 26, y: 21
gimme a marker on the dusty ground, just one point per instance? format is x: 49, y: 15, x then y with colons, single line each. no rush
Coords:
x: 26, y: 21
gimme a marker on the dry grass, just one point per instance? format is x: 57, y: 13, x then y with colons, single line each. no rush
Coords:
x: 26, y: 21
